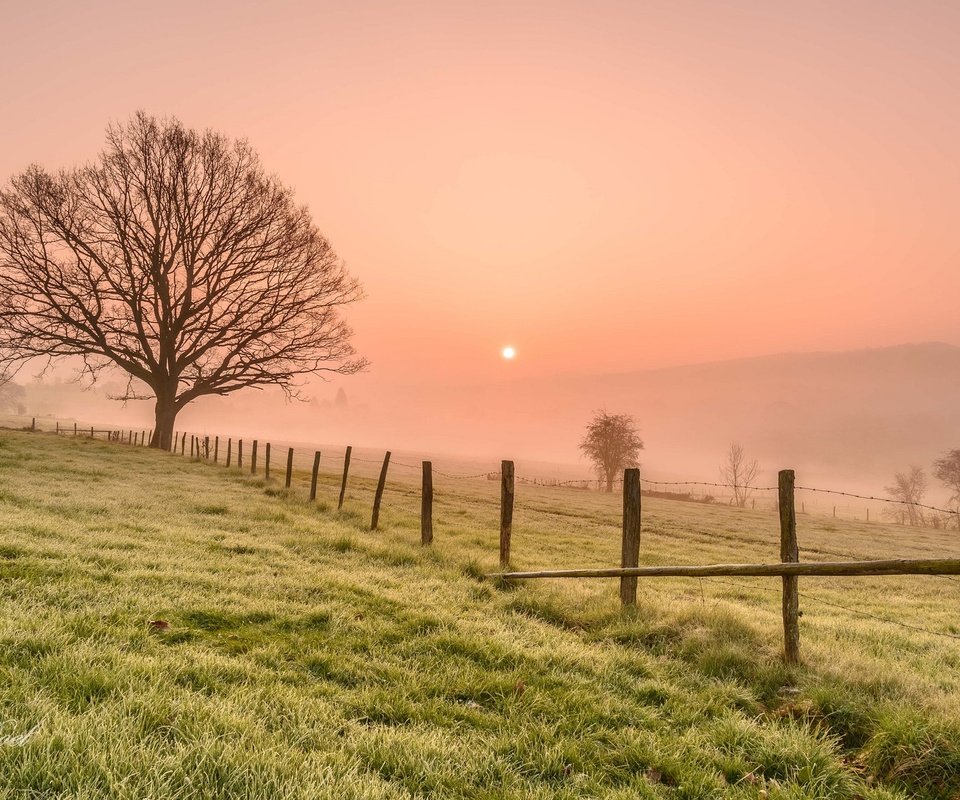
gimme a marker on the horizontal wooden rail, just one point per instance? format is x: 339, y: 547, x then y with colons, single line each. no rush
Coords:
x: 940, y: 566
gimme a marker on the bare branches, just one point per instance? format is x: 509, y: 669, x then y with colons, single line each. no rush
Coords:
x: 739, y: 473
x: 177, y: 259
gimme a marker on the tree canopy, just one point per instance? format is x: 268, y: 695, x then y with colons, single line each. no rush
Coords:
x: 177, y: 259
x: 612, y: 443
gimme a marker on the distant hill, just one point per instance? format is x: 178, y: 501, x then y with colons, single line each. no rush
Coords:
x: 856, y: 416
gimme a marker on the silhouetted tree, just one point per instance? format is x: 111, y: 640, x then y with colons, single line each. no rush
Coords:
x: 612, y: 443
x: 175, y: 258
x: 947, y: 471
x: 739, y: 473
x: 908, y: 489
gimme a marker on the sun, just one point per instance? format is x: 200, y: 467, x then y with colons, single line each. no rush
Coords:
x: 508, y: 352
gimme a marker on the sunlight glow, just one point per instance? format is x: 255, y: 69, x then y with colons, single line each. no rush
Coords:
x: 509, y: 352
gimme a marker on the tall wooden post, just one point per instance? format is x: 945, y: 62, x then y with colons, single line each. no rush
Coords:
x: 206, y: 448
x: 506, y: 511
x: 266, y: 463
x: 378, y: 497
x: 58, y: 427
x: 253, y: 458
x: 630, y: 549
x: 343, y: 483
x: 183, y: 443
x: 192, y: 438
x: 229, y: 451
x: 150, y: 437
x: 216, y: 449
x: 91, y: 431
x: 313, y: 476
x: 426, y: 505
x: 74, y: 428
x: 33, y: 424
x: 289, y: 477
x: 239, y: 453
x: 789, y: 551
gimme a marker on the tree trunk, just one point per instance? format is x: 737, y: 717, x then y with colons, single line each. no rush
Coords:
x: 610, y: 479
x: 166, y: 416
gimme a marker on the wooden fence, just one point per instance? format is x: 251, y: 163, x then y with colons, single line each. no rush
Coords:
x: 789, y: 569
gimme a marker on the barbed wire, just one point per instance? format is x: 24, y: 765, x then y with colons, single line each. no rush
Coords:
x: 877, y: 499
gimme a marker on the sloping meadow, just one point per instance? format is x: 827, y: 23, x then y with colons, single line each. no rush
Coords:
x: 173, y: 629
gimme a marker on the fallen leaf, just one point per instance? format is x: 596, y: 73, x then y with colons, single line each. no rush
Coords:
x: 159, y: 625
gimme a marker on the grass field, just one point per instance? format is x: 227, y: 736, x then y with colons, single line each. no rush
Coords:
x: 309, y: 658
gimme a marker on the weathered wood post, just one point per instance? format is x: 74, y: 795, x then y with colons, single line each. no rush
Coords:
x: 426, y: 505
x: 216, y: 449
x: 229, y: 452
x: 239, y: 453
x: 253, y: 458
x: 289, y: 476
x: 150, y: 437
x: 375, y: 517
x: 343, y: 483
x: 192, y: 437
x: 206, y: 448
x: 506, y: 511
x: 58, y: 427
x: 74, y: 428
x: 183, y: 443
x: 789, y: 551
x: 630, y: 549
x: 91, y: 431
x: 313, y: 476
x: 33, y: 424
x: 266, y: 463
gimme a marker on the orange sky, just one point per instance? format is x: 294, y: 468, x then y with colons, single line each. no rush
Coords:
x: 605, y: 185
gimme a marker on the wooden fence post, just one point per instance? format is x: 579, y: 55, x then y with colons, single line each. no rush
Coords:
x: 150, y: 438
x: 426, y: 505
x: 58, y: 427
x: 33, y: 424
x: 206, y: 448
x: 229, y: 451
x: 253, y: 458
x: 506, y: 511
x: 192, y: 437
x: 216, y: 449
x: 630, y: 549
x: 266, y: 463
x: 239, y: 453
x: 289, y: 477
x: 91, y: 431
x: 74, y: 428
x: 378, y: 497
x: 183, y: 443
x: 789, y: 551
x: 313, y: 476
x: 343, y: 483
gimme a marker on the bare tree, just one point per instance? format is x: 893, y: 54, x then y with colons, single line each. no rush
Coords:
x: 175, y: 258
x: 612, y: 443
x: 947, y: 471
x: 908, y: 489
x: 739, y: 473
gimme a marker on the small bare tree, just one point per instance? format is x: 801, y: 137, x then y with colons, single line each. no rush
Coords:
x: 908, y: 489
x: 612, y: 443
x: 739, y: 473
x: 178, y: 260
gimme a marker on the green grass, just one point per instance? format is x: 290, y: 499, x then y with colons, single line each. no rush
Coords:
x: 309, y: 658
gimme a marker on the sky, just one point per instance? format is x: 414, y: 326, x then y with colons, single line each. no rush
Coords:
x: 606, y: 186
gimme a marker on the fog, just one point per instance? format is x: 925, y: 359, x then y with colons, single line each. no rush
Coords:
x: 841, y: 420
